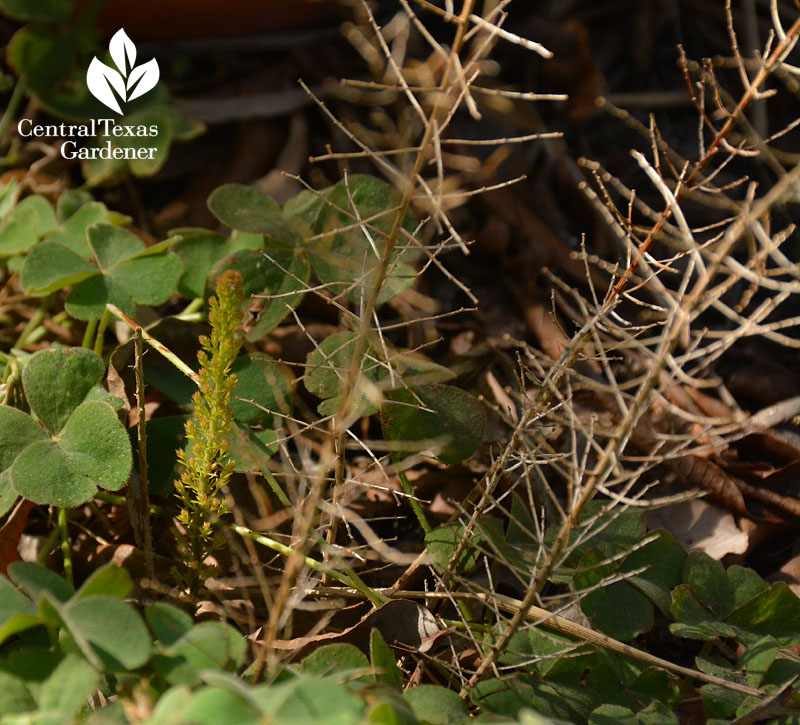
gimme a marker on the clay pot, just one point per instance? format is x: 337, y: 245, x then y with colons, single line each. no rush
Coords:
x: 182, y: 19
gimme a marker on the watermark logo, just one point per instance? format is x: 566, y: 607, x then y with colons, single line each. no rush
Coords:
x: 128, y: 80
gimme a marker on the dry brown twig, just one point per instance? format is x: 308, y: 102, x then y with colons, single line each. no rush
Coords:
x: 638, y: 364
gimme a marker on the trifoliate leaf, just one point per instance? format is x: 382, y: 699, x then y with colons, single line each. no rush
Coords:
x: 130, y: 274
x: 49, y: 266
x: 109, y: 632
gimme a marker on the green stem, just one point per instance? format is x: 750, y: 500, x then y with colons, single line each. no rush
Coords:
x: 36, y: 335
x: 10, y: 377
x: 276, y: 488
x: 11, y: 372
x: 166, y: 352
x: 13, y: 107
x: 101, y: 332
x: 350, y: 579
x: 189, y: 311
x: 34, y: 322
x: 49, y: 545
x: 117, y: 500
x: 66, y: 551
x: 412, y: 499
x: 88, y: 336
x: 468, y: 626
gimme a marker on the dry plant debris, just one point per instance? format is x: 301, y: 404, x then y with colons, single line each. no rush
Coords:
x: 498, y: 411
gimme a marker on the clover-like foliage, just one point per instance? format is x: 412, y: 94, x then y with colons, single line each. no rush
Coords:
x: 71, y: 443
x: 351, y: 224
x: 279, y: 271
x: 339, y: 233
x: 382, y: 367
x: 113, y: 266
x: 26, y: 222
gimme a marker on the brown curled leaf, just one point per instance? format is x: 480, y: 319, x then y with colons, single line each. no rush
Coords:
x: 702, y: 473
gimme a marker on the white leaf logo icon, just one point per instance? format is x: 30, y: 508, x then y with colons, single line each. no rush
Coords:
x: 128, y: 80
x: 143, y: 79
x: 120, y: 47
x: 100, y: 79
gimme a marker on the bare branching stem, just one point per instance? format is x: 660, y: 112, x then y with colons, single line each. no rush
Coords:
x: 751, y: 93
x: 138, y: 491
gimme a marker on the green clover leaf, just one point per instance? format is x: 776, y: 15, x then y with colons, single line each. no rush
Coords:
x: 25, y: 225
x: 382, y: 366
x: 74, y: 445
x: 200, y: 249
x: 249, y: 210
x: 121, y: 271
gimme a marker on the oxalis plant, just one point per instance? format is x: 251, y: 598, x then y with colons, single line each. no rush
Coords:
x: 533, y: 603
x: 63, y: 417
x: 71, y: 442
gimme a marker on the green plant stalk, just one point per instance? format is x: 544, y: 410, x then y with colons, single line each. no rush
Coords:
x: 412, y: 499
x: 117, y: 500
x: 189, y: 312
x: 101, y: 332
x: 349, y: 579
x: 10, y: 376
x: 34, y: 322
x: 276, y: 487
x: 165, y: 351
x: 36, y: 335
x: 89, y: 334
x: 208, y: 466
x: 66, y: 551
x: 12, y: 108
x: 49, y: 545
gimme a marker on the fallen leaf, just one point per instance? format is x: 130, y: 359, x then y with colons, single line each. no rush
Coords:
x: 11, y: 531
x: 702, y: 473
x: 700, y: 526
